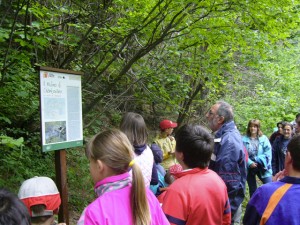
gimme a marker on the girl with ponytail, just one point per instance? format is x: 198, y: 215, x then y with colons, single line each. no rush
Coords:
x: 122, y: 199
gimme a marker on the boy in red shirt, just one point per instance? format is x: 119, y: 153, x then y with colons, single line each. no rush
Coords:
x: 198, y: 195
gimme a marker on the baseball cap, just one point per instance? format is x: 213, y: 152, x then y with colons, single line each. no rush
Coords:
x: 176, y: 168
x: 40, y: 191
x: 165, y: 124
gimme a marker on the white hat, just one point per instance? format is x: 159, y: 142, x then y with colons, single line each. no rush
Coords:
x: 40, y: 190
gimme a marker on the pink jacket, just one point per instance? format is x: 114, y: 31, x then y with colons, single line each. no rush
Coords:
x: 113, y: 207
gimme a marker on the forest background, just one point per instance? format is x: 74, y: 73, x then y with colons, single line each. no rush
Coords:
x: 160, y: 58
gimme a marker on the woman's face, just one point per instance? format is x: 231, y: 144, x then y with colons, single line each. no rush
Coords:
x: 253, y: 130
x: 280, y: 130
x: 287, y: 132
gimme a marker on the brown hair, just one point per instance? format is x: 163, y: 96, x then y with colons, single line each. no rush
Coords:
x: 256, y: 123
x: 114, y: 149
x: 39, y: 209
x: 134, y: 126
x: 294, y: 149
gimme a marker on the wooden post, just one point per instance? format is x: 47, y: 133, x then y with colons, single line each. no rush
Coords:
x: 61, y: 181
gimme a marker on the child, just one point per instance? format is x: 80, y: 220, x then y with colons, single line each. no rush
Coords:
x: 12, y: 209
x: 198, y: 195
x: 134, y: 126
x: 165, y: 141
x: 41, y: 197
x: 120, y: 199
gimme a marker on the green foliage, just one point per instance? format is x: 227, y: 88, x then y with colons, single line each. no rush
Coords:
x: 19, y: 162
x: 81, y: 191
x: 11, y: 143
x: 168, y: 58
x: 268, y: 92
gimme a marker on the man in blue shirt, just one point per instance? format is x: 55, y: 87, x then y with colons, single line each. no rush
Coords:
x: 228, y: 159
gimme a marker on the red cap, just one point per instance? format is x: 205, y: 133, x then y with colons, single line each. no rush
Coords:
x: 40, y: 190
x: 165, y: 124
x: 176, y: 168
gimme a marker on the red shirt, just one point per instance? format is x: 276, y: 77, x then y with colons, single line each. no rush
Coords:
x: 197, y: 196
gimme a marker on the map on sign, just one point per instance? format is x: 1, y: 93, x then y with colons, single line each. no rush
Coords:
x: 61, y: 109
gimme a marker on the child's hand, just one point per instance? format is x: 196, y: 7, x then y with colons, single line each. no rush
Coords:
x: 171, y: 138
x: 279, y: 175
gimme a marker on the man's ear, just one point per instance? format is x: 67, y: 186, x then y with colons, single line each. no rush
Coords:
x: 221, y: 119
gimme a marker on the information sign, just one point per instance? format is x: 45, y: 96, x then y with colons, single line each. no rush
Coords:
x: 61, y: 109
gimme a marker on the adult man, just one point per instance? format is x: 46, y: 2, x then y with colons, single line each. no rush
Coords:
x: 198, y: 195
x: 276, y: 202
x: 228, y: 159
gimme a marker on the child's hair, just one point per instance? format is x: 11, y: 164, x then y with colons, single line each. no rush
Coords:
x: 41, y: 197
x: 39, y: 209
x: 196, y: 144
x: 12, y: 209
x: 113, y: 148
x: 169, y: 178
x: 134, y: 126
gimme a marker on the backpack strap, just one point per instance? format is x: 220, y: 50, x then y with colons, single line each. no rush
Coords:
x: 273, y: 202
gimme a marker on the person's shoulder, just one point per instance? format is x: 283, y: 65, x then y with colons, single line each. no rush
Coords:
x: 232, y: 137
x: 268, y: 188
x: 264, y: 137
x: 159, y: 140
x: 155, y: 147
x: 245, y: 138
x: 147, y: 151
x: 264, y: 193
x: 278, y: 140
x: 213, y: 175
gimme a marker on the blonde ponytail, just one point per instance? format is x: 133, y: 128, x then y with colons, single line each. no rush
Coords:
x: 139, y: 203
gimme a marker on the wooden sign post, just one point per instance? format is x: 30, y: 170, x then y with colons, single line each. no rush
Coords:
x: 62, y: 185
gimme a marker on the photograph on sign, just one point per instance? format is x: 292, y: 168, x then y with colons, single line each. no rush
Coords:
x: 61, y: 110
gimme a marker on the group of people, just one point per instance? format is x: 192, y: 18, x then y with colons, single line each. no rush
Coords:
x: 207, y: 185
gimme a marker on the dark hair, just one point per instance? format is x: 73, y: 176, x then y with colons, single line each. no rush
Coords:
x: 256, y: 123
x: 280, y: 122
x: 225, y: 110
x: 298, y: 115
x: 294, y: 149
x: 12, y: 209
x: 134, y: 126
x: 196, y: 144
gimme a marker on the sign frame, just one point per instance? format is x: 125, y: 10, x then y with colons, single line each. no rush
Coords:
x: 60, y: 108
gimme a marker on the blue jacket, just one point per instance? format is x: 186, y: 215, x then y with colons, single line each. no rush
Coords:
x: 285, y: 212
x: 228, y: 160
x: 264, y: 154
x: 279, y: 151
